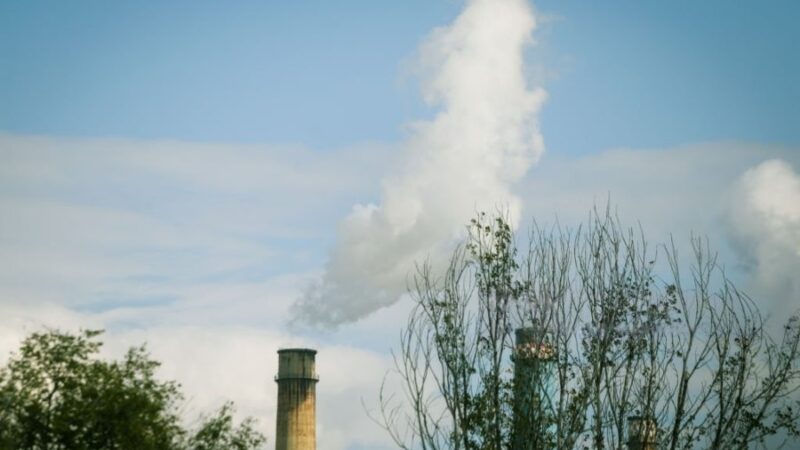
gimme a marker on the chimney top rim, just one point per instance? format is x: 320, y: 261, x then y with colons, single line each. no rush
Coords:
x: 297, y: 350
x: 640, y: 418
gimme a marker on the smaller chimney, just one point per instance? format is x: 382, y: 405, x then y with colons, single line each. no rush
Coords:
x: 642, y: 431
x: 533, y: 359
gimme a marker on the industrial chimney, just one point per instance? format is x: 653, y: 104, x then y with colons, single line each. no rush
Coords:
x: 642, y: 433
x: 533, y: 359
x: 296, y: 427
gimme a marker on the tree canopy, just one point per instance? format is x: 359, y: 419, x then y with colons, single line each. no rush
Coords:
x: 589, y: 338
x: 57, y: 394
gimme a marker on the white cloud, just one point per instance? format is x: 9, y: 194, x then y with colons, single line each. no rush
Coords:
x: 484, y: 138
x: 765, y: 225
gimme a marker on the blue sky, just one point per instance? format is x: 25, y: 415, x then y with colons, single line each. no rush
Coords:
x: 330, y: 74
x: 201, y: 175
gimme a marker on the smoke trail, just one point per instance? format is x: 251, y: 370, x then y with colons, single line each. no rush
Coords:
x: 484, y: 138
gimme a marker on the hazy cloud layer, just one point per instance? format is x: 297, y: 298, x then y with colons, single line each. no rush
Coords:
x: 484, y: 138
x: 197, y: 250
x: 96, y: 223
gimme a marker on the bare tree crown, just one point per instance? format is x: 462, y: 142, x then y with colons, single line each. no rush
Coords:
x: 610, y: 353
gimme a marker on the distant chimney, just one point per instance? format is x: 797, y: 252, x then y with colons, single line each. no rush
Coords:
x: 642, y: 433
x: 533, y: 360
x: 296, y: 427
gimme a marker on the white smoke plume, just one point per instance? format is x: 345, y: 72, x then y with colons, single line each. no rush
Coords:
x: 765, y: 218
x: 483, y: 139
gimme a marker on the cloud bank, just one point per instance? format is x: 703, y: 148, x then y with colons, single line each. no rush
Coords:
x: 484, y: 138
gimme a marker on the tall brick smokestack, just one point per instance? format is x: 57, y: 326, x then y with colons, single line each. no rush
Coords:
x: 296, y: 425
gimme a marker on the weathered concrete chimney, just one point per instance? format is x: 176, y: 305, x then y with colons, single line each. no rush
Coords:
x: 296, y: 427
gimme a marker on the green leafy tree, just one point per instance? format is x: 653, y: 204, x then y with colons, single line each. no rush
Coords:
x: 219, y: 432
x: 56, y: 394
x: 619, y: 349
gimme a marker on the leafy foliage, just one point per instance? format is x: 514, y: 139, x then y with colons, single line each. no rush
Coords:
x: 57, y: 394
x: 220, y: 433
